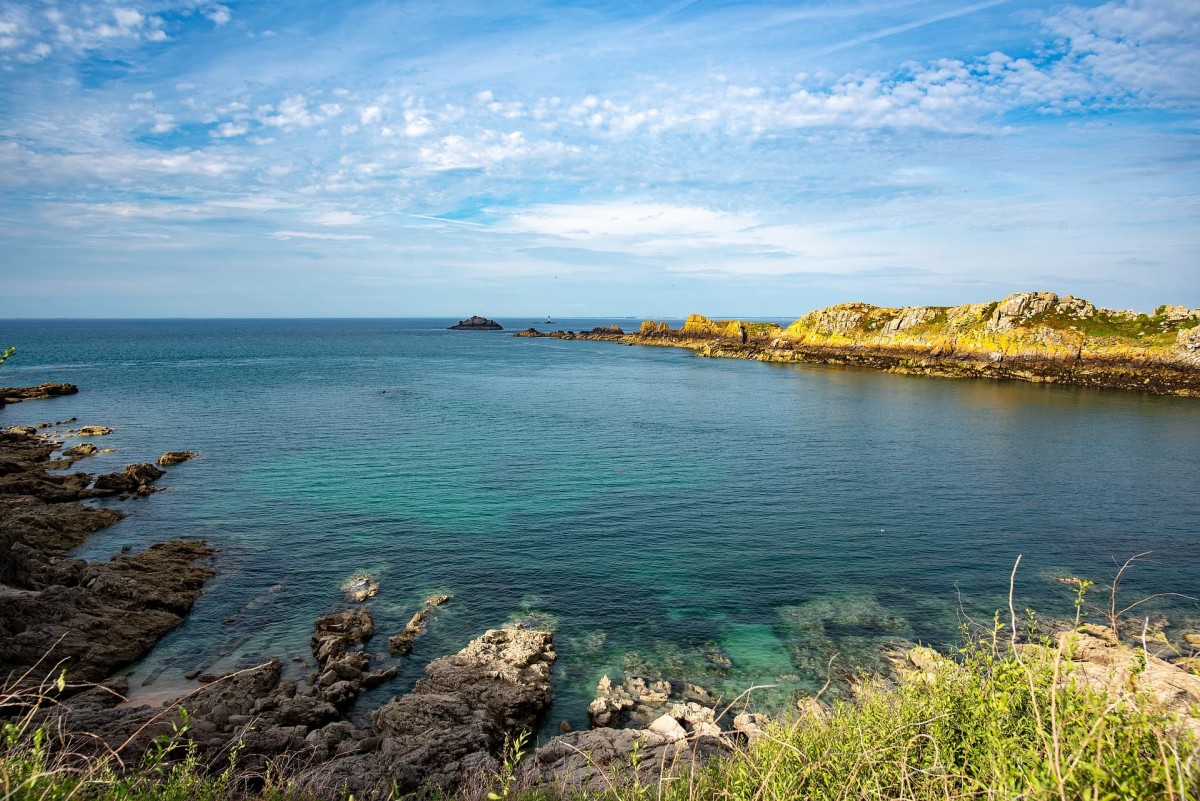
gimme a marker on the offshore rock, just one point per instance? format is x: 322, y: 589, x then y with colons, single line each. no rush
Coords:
x: 172, y: 458
x: 477, y: 323
x: 605, y: 333
x: 403, y: 642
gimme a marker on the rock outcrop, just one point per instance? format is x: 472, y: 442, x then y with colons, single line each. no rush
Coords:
x: 601, y: 760
x: 41, y: 391
x: 57, y: 612
x: 454, y: 722
x: 601, y: 333
x: 477, y: 323
x: 1028, y: 336
x: 135, y: 479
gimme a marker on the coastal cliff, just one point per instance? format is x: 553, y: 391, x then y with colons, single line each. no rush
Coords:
x: 1029, y: 336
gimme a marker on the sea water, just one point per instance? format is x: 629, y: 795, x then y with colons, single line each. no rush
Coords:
x: 719, y: 521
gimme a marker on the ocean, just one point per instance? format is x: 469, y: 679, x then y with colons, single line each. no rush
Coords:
x: 724, y: 522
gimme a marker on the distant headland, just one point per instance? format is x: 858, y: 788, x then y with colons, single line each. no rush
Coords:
x: 477, y: 323
x: 1028, y: 336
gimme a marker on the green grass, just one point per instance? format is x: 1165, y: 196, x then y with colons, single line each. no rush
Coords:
x: 987, y: 726
x: 989, y: 723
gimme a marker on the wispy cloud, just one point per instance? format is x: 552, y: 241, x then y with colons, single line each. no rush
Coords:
x: 917, y: 137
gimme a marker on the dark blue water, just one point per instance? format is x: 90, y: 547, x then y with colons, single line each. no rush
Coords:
x: 728, y: 522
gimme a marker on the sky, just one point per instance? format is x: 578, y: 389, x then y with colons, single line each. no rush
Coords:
x: 617, y: 157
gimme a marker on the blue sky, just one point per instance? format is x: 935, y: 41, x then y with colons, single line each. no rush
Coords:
x: 630, y: 157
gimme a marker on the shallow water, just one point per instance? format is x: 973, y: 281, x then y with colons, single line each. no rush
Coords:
x: 728, y: 522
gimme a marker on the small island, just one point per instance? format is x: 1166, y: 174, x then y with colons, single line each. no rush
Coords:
x: 477, y: 323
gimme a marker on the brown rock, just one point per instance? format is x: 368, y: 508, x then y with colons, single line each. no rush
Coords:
x: 402, y: 643
x: 93, y: 431
x: 41, y: 391
x: 171, y: 458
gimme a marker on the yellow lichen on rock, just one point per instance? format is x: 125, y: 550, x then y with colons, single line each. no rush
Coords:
x: 1026, y: 325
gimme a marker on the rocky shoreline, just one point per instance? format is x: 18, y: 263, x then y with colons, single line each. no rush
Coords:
x: 1030, y: 336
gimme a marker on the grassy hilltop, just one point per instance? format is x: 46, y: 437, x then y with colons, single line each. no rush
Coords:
x: 1033, y: 336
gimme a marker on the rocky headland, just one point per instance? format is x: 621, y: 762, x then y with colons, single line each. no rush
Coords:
x: 1030, y: 336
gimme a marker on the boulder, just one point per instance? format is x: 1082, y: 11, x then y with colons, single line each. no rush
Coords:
x: 171, y: 458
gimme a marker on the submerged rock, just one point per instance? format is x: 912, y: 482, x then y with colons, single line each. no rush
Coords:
x: 640, y: 700
x: 360, y: 587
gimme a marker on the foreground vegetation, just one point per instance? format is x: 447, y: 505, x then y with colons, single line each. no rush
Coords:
x: 998, y: 722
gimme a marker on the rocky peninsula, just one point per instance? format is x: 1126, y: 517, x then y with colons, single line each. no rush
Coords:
x: 1029, y: 336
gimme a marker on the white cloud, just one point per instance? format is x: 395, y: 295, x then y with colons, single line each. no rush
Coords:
x: 218, y: 14
x: 487, y: 148
x: 228, y: 130
x: 128, y: 17
x: 293, y: 112
x: 163, y: 123
x: 339, y: 218
x: 315, y: 235
x: 1144, y: 49
x: 370, y: 115
x: 416, y: 124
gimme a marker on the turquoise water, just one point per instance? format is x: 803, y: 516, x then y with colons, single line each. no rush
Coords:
x: 728, y: 522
